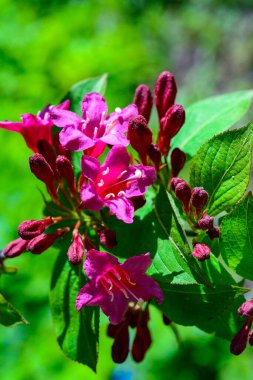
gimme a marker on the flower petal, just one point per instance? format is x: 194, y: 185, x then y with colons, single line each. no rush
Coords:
x: 146, y: 288
x: 137, y: 264
x: 147, y: 178
x: 12, y: 126
x: 122, y: 208
x: 115, y: 308
x: 97, y: 263
x: 88, y: 295
x: 63, y: 118
x: 90, y: 198
x: 73, y: 139
x: 121, y: 119
x: 90, y: 167
x: 117, y: 160
x: 115, y: 137
x: 94, y: 107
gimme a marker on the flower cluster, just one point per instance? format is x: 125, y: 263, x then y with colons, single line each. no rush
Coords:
x: 239, y: 342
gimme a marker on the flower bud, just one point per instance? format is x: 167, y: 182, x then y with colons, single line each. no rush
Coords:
x: 138, y: 201
x: 59, y: 148
x: 108, y: 238
x: 42, y: 242
x: 15, y: 248
x: 155, y: 155
x: 47, y: 152
x: 213, y: 233
x: 199, y: 198
x: 120, y: 347
x: 140, y: 136
x: 43, y: 171
x: 175, y: 181
x: 246, y: 309
x: 29, y: 229
x: 170, y: 126
x: 201, y: 252
x: 141, y: 343
x: 65, y: 170
x: 239, y: 341
x: 205, y: 223
x: 165, y: 92
x: 183, y: 193
x: 177, y: 159
x: 76, y: 249
x: 144, y: 101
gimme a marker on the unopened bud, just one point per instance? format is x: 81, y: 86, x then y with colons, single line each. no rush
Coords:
x: 61, y: 151
x: 120, y: 347
x: 183, y: 193
x: 47, y: 152
x: 29, y: 229
x: 43, y: 171
x: 175, y: 181
x: 144, y: 101
x: 165, y: 92
x: 171, y: 123
x: 239, y: 341
x: 140, y: 136
x: 65, y: 170
x: 15, y: 248
x: 155, y: 155
x: 76, y: 249
x: 246, y: 309
x: 199, y: 198
x: 205, y: 223
x: 42, y: 242
x: 213, y: 233
x: 177, y: 159
x: 201, y: 252
x: 141, y: 343
x: 108, y: 238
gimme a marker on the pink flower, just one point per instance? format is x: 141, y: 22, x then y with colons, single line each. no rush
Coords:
x: 114, y: 183
x: 94, y: 130
x: 35, y: 128
x: 113, y: 285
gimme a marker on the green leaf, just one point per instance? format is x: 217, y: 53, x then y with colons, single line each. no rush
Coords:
x: 237, y: 238
x: 80, y: 89
x: 209, y: 117
x: 222, y: 167
x: 10, y: 316
x: 77, y: 332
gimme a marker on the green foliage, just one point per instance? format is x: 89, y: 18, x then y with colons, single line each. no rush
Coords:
x: 236, y: 238
x: 222, y: 167
x: 9, y: 316
x: 209, y: 117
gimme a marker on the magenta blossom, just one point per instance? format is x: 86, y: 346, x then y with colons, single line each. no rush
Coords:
x: 114, y: 183
x: 35, y: 127
x: 94, y: 130
x: 113, y: 285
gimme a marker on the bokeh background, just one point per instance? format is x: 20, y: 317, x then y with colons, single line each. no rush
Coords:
x: 45, y: 47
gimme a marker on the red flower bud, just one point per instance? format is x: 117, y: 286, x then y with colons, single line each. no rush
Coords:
x: 205, y: 223
x: 65, y: 170
x: 141, y: 343
x: 170, y: 126
x: 201, y: 252
x: 155, y: 155
x: 183, y: 193
x: 108, y: 238
x: 199, y: 198
x: 239, y: 341
x: 15, y: 248
x: 144, y: 101
x: 59, y: 148
x: 42, y: 242
x: 47, y: 152
x: 140, y: 136
x: 29, y: 229
x: 177, y: 159
x: 120, y: 347
x: 213, y: 233
x: 246, y: 309
x: 76, y: 249
x: 175, y: 181
x: 165, y: 92
x: 43, y: 171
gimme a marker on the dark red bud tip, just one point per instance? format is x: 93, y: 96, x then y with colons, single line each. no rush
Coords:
x: 113, y: 330
x: 43, y: 171
x: 199, y: 198
x: 246, y: 309
x: 171, y: 123
x: 76, y: 249
x: 108, y: 238
x: 205, y: 223
x: 47, y: 152
x: 141, y: 343
x: 42, y: 242
x: 155, y: 155
x: 165, y: 92
x: 177, y: 159
x: 65, y: 170
x: 15, y: 248
x: 213, y: 233
x: 144, y: 101
x: 166, y: 320
x: 140, y: 136
x: 183, y: 193
x: 138, y: 201
x: 239, y: 341
x: 120, y: 347
x: 201, y: 252
x: 175, y: 181
x: 29, y: 229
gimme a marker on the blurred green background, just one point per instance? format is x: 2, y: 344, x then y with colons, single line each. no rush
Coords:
x: 45, y: 47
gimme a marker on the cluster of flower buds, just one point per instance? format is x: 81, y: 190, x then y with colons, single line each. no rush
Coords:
x: 239, y: 342
x: 135, y: 318
x: 171, y: 118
